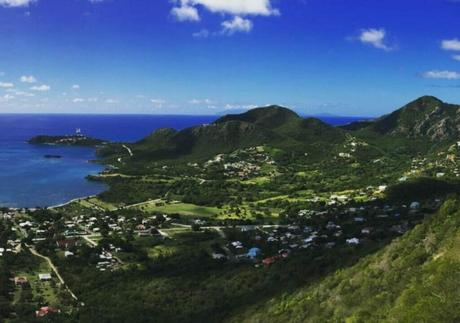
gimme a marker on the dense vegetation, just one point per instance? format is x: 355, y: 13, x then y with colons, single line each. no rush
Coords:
x: 370, y: 182
x: 414, y: 279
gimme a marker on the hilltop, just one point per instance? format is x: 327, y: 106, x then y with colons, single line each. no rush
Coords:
x: 426, y: 117
x: 274, y: 126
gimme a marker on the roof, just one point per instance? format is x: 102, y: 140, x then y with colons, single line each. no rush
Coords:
x: 45, y: 276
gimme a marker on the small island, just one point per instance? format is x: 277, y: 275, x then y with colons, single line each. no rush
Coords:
x: 77, y: 139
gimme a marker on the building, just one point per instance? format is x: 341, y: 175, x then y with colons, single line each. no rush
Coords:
x: 44, y: 311
x: 44, y: 277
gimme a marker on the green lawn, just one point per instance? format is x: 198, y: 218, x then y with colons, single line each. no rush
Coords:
x: 182, y: 209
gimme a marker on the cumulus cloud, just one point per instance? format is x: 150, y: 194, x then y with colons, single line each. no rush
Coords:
x: 41, y: 88
x: 451, y: 44
x: 28, y: 79
x: 374, y: 37
x: 237, y: 24
x: 456, y: 57
x: 75, y: 87
x: 111, y: 101
x: 236, y: 7
x: 437, y: 74
x: 78, y: 100
x: 185, y: 13
x: 15, y: 3
x: 187, y: 10
x: 6, y: 85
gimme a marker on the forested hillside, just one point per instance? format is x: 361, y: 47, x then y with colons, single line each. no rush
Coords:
x: 414, y: 279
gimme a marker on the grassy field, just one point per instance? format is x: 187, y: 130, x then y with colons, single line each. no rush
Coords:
x: 181, y: 208
x: 42, y: 292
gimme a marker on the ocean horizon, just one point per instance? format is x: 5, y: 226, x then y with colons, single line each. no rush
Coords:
x: 28, y: 179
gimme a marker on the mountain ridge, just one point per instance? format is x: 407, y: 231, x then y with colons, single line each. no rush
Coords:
x: 426, y: 117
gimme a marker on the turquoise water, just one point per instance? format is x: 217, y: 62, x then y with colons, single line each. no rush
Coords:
x: 28, y: 179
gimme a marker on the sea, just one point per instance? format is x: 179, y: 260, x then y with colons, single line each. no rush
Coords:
x: 29, y: 179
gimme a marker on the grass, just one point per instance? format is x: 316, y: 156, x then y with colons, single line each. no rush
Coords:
x: 182, y: 209
x: 101, y: 204
x: 46, y: 291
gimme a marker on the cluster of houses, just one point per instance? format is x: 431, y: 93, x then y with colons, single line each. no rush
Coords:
x: 324, y: 229
x: 243, y: 163
x: 350, y: 146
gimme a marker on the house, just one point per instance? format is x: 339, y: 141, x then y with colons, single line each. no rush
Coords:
x: 44, y: 277
x: 44, y: 311
x: 218, y: 256
x: 237, y: 244
x: 353, y: 241
x: 415, y: 205
x: 253, y: 253
x: 68, y: 243
x: 270, y: 260
x: 20, y: 281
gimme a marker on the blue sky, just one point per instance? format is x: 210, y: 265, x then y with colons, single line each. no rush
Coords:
x: 355, y: 57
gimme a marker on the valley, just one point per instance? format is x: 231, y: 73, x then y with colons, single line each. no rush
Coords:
x: 263, y: 216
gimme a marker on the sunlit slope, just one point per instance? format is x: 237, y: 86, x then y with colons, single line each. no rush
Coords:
x: 414, y: 279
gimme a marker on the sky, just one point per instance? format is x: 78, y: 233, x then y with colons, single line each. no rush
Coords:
x: 350, y: 58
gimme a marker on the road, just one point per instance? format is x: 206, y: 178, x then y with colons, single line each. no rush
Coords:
x: 91, y: 242
x: 130, y: 152
x: 55, y: 270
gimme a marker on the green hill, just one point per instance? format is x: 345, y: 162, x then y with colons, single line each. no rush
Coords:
x: 274, y: 126
x: 266, y: 117
x: 426, y: 117
x: 416, y: 278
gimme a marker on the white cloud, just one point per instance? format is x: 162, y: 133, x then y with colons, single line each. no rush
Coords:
x: 7, y: 97
x: 78, y: 100
x: 229, y: 106
x: 75, y: 87
x: 158, y: 103
x: 198, y: 102
x: 6, y: 85
x: 236, y: 7
x: 185, y: 13
x: 456, y: 57
x: 15, y: 3
x: 203, y: 33
x: 437, y: 74
x: 20, y: 93
x: 451, y: 44
x: 28, y: 79
x: 111, y: 101
x: 41, y: 88
x: 187, y: 10
x: 237, y: 24
x: 374, y: 37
